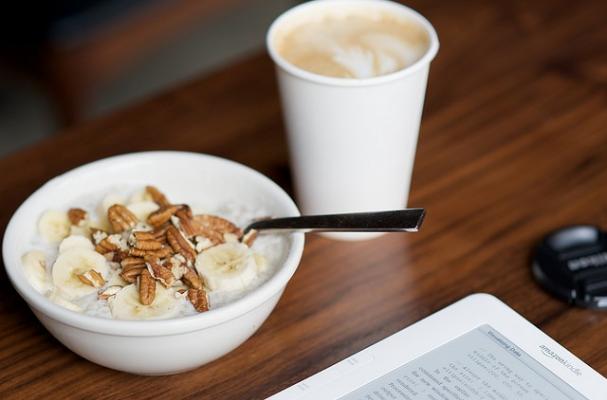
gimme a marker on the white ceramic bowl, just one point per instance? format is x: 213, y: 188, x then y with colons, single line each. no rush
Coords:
x: 165, y: 346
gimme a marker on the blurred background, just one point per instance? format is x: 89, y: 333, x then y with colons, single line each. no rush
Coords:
x: 66, y: 61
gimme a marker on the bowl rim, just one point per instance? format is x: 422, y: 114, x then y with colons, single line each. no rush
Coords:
x: 253, y: 299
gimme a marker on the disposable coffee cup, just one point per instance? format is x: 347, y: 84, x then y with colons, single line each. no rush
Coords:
x: 352, y: 141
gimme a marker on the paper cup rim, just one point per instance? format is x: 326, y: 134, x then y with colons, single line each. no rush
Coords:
x: 282, y: 63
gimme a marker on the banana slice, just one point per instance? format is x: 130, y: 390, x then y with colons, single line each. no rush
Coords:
x: 228, y: 266
x: 57, y: 297
x: 101, y: 223
x: 74, y: 262
x: 74, y: 242
x: 34, y: 267
x: 261, y: 261
x: 140, y: 197
x: 54, y: 226
x: 77, y: 230
x: 126, y: 305
x: 142, y: 209
x: 116, y: 280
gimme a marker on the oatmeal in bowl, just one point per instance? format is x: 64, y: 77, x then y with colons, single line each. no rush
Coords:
x: 139, y: 256
x: 150, y: 248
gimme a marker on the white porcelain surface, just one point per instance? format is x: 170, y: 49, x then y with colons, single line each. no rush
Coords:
x: 167, y: 346
x: 352, y: 141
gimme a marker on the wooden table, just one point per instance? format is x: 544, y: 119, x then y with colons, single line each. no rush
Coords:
x: 513, y: 144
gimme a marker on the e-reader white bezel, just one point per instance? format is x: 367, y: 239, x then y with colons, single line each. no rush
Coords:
x: 438, y: 329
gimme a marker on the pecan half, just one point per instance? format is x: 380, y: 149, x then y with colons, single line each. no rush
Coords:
x: 163, y: 252
x: 121, y: 218
x: 92, y: 278
x: 191, y: 278
x: 160, y: 233
x: 157, y: 196
x: 249, y: 237
x: 163, y: 215
x: 181, y: 244
x: 213, y: 228
x: 147, y: 288
x: 118, y: 256
x: 142, y: 235
x: 131, y: 275
x: 77, y: 216
x: 198, y: 298
x: 185, y: 219
x: 217, y: 224
x: 159, y: 272
x: 129, y: 263
x: 148, y: 245
x: 214, y: 237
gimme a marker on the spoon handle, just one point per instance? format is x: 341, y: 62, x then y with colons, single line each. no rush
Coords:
x: 408, y: 220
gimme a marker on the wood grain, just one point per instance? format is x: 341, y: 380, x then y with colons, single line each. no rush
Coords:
x: 513, y: 143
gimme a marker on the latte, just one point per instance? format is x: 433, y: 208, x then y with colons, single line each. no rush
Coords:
x: 355, y: 43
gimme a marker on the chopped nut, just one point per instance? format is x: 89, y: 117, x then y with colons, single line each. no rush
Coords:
x: 198, y: 298
x: 163, y: 215
x: 117, y: 240
x: 111, y: 243
x: 178, y: 270
x: 131, y: 275
x: 121, y: 218
x: 249, y: 237
x: 109, y: 292
x: 147, y: 288
x: 177, y: 265
x: 180, y: 244
x: 92, y: 278
x: 141, y: 226
x: 157, y: 196
x: 160, y: 272
x: 191, y: 278
x: 98, y: 235
x: 114, y: 265
x: 179, y: 258
x: 77, y: 216
x: 105, y: 246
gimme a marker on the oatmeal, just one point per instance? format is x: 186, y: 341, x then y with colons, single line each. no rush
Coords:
x: 149, y: 258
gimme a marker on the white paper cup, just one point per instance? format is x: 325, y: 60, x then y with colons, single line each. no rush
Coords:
x: 352, y: 141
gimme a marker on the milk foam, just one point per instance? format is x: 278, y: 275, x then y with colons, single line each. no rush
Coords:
x: 353, y: 45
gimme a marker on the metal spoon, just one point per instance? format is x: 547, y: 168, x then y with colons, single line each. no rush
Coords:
x: 408, y: 220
